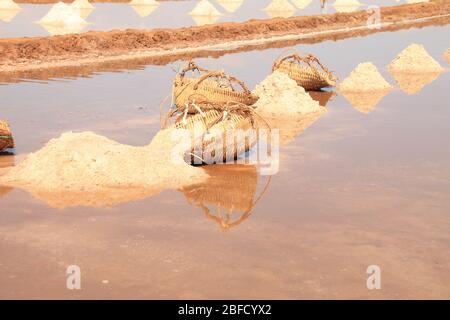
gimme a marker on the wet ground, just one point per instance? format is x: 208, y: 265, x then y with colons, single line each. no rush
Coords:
x: 170, y: 14
x: 354, y: 189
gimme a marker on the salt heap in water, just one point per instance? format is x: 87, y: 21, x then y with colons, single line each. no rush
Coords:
x: 205, y: 8
x: 86, y: 162
x: 62, y: 14
x: 414, y: 59
x: 230, y: 5
x: 365, y: 77
x: 81, y: 4
x: 301, y: 4
x: 286, y: 106
x: 279, y: 94
x: 8, y: 5
x: 346, y: 5
x: 365, y: 87
x: 280, y: 8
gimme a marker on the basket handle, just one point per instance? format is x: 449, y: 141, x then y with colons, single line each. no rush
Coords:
x: 308, y: 59
x: 192, y: 66
x: 221, y: 74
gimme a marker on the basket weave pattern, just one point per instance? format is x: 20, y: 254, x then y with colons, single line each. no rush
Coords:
x: 307, y: 71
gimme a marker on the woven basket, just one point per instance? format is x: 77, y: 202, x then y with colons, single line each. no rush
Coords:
x: 307, y: 71
x: 6, y: 139
x: 210, y: 86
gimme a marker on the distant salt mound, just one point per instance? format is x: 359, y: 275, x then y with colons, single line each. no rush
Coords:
x: 447, y: 56
x: 346, y: 5
x: 365, y: 77
x: 280, y: 8
x: 62, y: 14
x: 81, y: 4
x: 414, y: 59
x: 205, y: 8
x: 231, y: 5
x: 279, y: 94
x: 144, y: 3
x: 8, y: 5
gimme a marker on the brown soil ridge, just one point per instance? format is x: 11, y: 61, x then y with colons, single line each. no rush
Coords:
x: 25, y: 54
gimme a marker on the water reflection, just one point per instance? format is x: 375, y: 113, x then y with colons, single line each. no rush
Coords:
x: 230, y: 190
x: 365, y: 102
x: 413, y: 83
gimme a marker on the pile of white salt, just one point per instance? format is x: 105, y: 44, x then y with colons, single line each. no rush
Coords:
x: 414, y: 59
x: 278, y: 94
x: 286, y: 106
x: 86, y: 162
x: 8, y: 5
x: 62, y: 14
x: 364, y: 78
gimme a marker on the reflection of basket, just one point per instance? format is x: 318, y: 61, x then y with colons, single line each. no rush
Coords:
x: 307, y: 71
x: 210, y: 86
x: 232, y: 188
x: 6, y: 139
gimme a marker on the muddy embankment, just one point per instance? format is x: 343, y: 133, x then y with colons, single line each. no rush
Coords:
x: 82, y: 54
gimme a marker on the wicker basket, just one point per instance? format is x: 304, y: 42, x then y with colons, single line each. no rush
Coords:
x: 6, y: 139
x: 307, y: 71
x: 210, y: 86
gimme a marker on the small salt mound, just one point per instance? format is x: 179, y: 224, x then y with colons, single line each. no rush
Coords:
x: 144, y: 3
x: 365, y: 77
x: 144, y: 10
x: 231, y: 5
x: 301, y: 4
x: 447, y: 56
x: 81, y: 4
x: 414, y: 59
x: 280, y: 8
x: 346, y: 5
x: 279, y: 94
x: 205, y: 8
x: 62, y: 14
x: 83, y: 162
x: 8, y: 5
x: 7, y: 15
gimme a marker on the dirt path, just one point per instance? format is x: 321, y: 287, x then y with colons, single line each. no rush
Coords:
x: 109, y: 48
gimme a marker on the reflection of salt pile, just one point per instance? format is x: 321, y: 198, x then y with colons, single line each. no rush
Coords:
x: 346, y: 5
x: 63, y: 19
x: 280, y: 8
x: 83, y: 7
x: 87, y: 169
x: 8, y: 10
x: 205, y: 13
x: 414, y: 68
x: 5, y: 162
x: 230, y: 5
x: 286, y: 106
x: 144, y: 7
x: 365, y: 87
x: 447, y: 56
x: 301, y: 4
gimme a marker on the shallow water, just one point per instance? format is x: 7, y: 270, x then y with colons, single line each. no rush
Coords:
x: 354, y: 189
x: 169, y: 14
